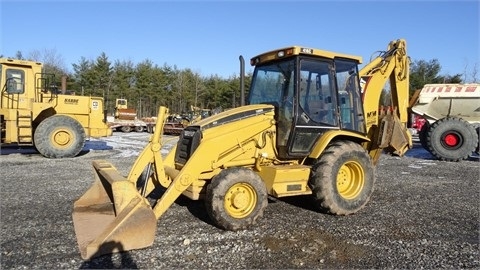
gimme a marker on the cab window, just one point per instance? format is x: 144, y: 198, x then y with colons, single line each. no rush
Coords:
x: 15, y: 81
x: 316, y: 92
x: 350, y: 103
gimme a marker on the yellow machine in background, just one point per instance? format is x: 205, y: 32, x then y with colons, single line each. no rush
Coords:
x: 34, y: 112
x: 125, y: 119
x: 309, y: 128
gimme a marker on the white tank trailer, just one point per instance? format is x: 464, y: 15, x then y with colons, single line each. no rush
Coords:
x: 452, y: 114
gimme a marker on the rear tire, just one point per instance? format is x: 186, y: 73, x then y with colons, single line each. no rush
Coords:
x: 236, y: 198
x: 126, y: 129
x: 139, y: 129
x: 452, y: 139
x: 343, y: 178
x: 59, y: 136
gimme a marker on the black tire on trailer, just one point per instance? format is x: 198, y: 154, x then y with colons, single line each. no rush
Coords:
x: 59, y: 136
x: 236, y: 198
x: 422, y: 135
x: 126, y: 129
x: 139, y: 129
x: 150, y: 129
x: 478, y: 140
x: 342, y: 179
x: 452, y: 139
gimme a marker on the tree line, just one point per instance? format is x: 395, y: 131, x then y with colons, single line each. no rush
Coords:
x: 146, y: 85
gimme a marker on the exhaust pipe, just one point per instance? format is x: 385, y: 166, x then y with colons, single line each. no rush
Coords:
x: 242, y: 80
x: 64, y: 85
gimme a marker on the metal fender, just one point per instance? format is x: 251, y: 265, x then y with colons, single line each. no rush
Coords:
x: 331, y: 135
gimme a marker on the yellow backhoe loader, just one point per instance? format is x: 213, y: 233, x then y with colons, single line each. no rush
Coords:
x: 313, y: 125
x: 34, y: 112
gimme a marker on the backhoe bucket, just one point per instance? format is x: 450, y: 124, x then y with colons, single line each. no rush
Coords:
x: 395, y: 137
x: 112, y: 216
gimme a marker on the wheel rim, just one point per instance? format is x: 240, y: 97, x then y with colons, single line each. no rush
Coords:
x: 61, y: 138
x: 240, y: 200
x: 451, y: 140
x: 350, y: 180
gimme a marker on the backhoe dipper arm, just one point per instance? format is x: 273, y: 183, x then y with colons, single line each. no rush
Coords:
x: 387, y: 127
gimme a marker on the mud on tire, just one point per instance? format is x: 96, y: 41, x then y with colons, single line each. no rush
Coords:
x: 343, y: 178
x: 236, y: 198
x: 59, y: 136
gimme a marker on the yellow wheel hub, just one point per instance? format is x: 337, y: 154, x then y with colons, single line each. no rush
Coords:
x: 240, y: 200
x: 350, y: 180
x: 61, y: 138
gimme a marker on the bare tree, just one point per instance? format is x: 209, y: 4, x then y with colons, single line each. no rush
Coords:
x: 52, y: 61
x: 19, y: 55
x: 465, y: 71
x: 475, y: 73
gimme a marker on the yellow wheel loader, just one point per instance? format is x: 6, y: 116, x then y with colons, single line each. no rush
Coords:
x: 313, y: 125
x: 34, y: 112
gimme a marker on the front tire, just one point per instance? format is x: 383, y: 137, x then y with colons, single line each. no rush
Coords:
x: 342, y: 179
x: 236, y: 198
x: 452, y: 139
x: 59, y: 136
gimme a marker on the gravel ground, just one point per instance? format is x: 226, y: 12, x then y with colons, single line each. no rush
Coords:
x: 424, y: 213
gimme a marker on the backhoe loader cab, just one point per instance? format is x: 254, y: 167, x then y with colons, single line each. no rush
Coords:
x: 313, y: 91
x: 308, y: 129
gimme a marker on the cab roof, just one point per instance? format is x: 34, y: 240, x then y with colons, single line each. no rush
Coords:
x: 19, y: 62
x: 299, y: 50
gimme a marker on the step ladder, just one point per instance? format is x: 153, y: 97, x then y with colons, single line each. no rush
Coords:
x: 24, y: 127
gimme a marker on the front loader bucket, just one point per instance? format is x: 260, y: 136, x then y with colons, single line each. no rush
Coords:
x: 112, y: 216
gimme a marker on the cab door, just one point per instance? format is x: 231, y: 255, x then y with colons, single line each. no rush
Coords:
x: 315, y: 111
x: 328, y: 96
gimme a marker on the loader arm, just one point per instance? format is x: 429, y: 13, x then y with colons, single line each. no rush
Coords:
x: 150, y: 158
x: 387, y: 126
x: 114, y: 214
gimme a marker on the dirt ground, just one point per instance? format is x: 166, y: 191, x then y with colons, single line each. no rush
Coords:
x: 424, y: 213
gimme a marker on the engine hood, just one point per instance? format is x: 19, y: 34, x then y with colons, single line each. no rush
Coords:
x: 233, y: 115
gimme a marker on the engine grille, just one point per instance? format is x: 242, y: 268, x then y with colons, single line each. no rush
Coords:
x: 187, y: 144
